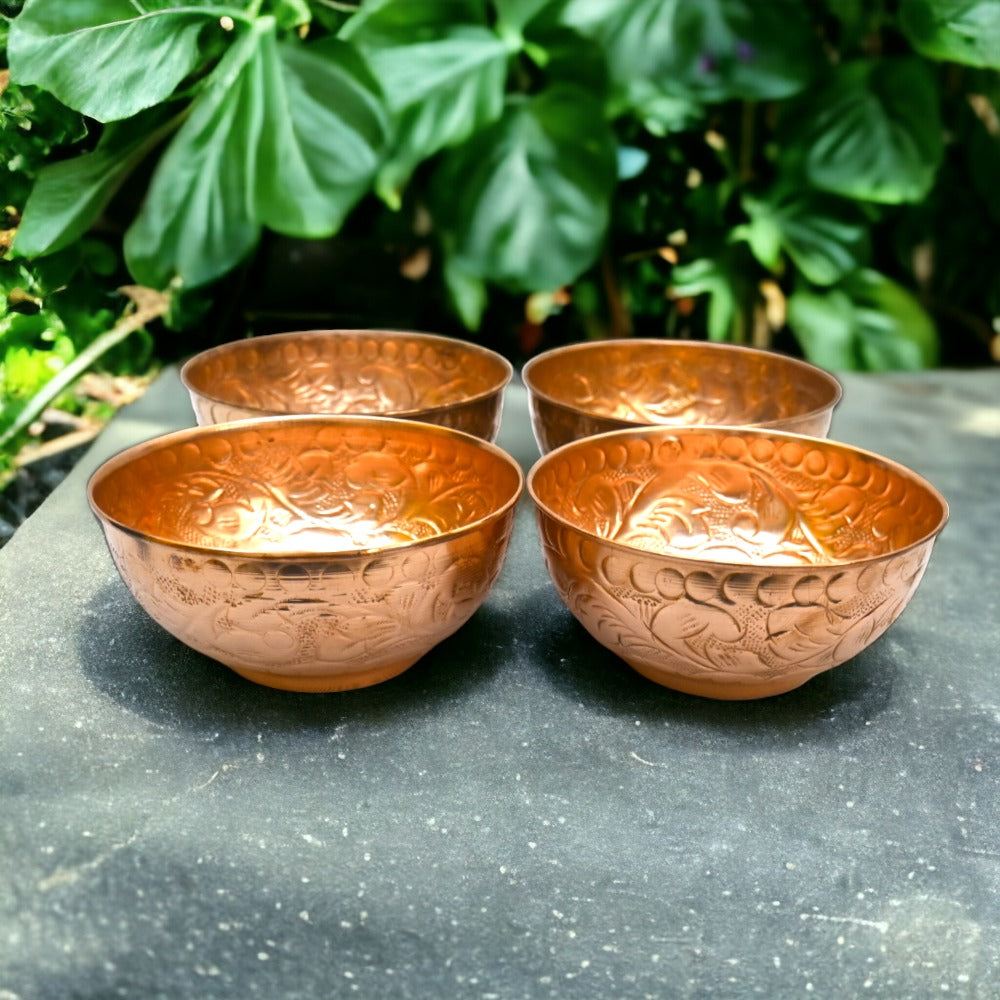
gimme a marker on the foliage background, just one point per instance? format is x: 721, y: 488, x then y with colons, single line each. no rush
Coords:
x: 818, y: 176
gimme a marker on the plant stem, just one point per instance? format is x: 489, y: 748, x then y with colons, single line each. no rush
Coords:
x: 618, y: 312
x: 748, y: 121
x: 149, y: 305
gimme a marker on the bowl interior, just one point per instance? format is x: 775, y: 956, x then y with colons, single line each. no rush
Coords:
x: 742, y: 497
x: 305, y: 484
x: 344, y: 371
x: 671, y: 381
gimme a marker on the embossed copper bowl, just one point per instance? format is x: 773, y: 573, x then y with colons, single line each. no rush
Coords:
x: 309, y: 553
x: 605, y: 385
x: 732, y: 563
x: 417, y: 376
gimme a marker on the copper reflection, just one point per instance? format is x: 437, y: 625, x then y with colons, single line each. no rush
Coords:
x: 418, y: 376
x: 732, y: 563
x: 599, y: 386
x: 310, y: 553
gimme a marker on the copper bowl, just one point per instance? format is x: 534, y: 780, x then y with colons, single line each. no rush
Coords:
x: 417, y: 376
x: 310, y: 553
x: 732, y: 563
x: 606, y: 385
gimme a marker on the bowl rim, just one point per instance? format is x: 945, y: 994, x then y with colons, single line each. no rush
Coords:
x: 150, y: 445
x: 656, y: 430
x: 234, y: 346
x: 669, y: 343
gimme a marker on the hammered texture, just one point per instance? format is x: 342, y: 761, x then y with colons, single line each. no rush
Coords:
x: 732, y: 564
x: 310, y: 553
x: 600, y: 386
x: 419, y: 376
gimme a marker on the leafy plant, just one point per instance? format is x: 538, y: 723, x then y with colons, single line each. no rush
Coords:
x: 714, y: 168
x: 61, y: 313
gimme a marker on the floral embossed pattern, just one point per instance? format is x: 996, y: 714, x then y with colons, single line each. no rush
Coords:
x: 310, y: 553
x: 590, y: 388
x: 420, y: 376
x: 732, y: 564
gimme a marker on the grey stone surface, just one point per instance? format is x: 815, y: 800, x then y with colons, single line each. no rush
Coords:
x: 519, y: 815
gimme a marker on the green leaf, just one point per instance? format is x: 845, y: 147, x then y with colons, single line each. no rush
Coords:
x: 467, y: 292
x: 324, y: 131
x: 441, y: 69
x: 705, y: 276
x: 824, y: 325
x: 70, y: 195
x: 103, y: 57
x: 713, y: 50
x: 283, y: 135
x: 25, y: 369
x: 873, y: 132
x: 824, y: 236
x: 418, y: 48
x: 895, y: 330
x: 762, y: 233
x: 660, y: 112
x: 526, y: 202
x: 37, y: 118
x: 868, y: 323
x: 442, y: 120
x: 962, y: 31
x: 197, y: 221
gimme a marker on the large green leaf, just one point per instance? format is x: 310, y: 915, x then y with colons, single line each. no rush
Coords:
x: 964, y: 31
x: 712, y: 50
x: 197, y: 221
x: 872, y: 132
x: 824, y: 325
x: 867, y: 323
x: 441, y: 120
x: 105, y: 58
x: 69, y: 195
x: 281, y: 136
x: 526, y: 202
x: 324, y: 131
x: 442, y: 70
x: 824, y: 236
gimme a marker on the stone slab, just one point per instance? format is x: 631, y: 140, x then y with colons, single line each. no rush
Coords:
x: 519, y: 815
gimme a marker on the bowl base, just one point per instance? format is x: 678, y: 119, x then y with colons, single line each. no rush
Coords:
x: 721, y: 690
x: 323, y: 683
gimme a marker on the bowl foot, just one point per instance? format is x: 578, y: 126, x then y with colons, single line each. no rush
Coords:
x: 722, y: 690
x: 323, y: 683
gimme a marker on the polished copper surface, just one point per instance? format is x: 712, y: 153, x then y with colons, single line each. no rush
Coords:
x: 310, y: 553
x: 419, y: 376
x: 605, y: 385
x: 732, y: 563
